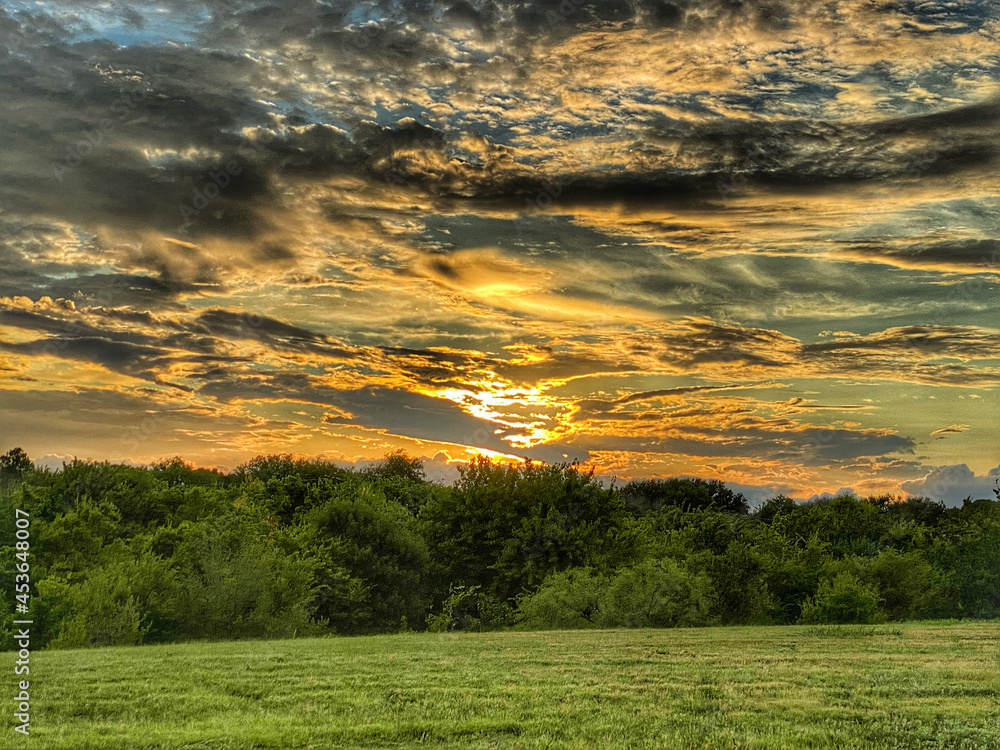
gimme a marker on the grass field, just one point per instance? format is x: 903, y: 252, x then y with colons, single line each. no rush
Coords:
x: 921, y: 685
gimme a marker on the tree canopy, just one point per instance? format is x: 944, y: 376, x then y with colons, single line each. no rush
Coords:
x: 125, y: 554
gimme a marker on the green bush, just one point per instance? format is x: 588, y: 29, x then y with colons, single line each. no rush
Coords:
x: 457, y: 611
x: 121, y: 602
x: 354, y: 530
x: 843, y: 599
x: 75, y: 541
x: 468, y: 608
x: 102, y: 612
x: 908, y: 586
x: 506, y: 528
x: 236, y: 582
x: 570, y: 599
x: 657, y: 594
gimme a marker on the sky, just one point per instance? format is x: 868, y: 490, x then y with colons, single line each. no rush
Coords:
x: 748, y: 241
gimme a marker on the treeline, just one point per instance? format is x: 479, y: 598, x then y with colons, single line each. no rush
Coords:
x: 279, y: 547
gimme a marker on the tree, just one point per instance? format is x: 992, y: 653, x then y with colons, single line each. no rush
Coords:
x: 14, y: 464
x: 688, y: 494
x: 739, y: 577
x: 398, y: 465
x: 176, y: 470
x: 850, y: 526
x: 909, y: 587
x: 236, y: 580
x: 284, y: 465
x: 775, y: 506
x: 372, y: 562
x: 790, y: 566
x: 75, y: 541
x: 127, y: 599
x: 921, y: 510
x: 505, y: 528
x: 969, y: 558
x: 402, y: 478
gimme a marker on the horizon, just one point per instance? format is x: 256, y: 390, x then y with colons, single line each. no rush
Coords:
x: 439, y: 469
x: 739, y: 242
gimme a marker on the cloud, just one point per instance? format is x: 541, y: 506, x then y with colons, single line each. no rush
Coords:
x: 105, y: 424
x: 228, y: 324
x: 814, y: 446
x: 552, y: 228
x: 495, y: 403
x: 953, y: 428
x: 588, y: 408
x: 952, y: 484
x: 956, y: 256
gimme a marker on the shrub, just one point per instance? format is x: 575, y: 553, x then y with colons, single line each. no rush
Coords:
x: 235, y: 582
x: 775, y: 506
x: 128, y: 600
x: 843, y: 599
x: 104, y: 612
x: 354, y: 531
x: 457, y: 612
x: 907, y: 583
x: 649, y: 495
x: 505, y: 528
x: 570, y: 599
x: 657, y: 594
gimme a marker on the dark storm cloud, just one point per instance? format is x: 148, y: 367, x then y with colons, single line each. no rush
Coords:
x: 268, y: 23
x: 304, y: 17
x: 958, y: 255
x: 437, y: 368
x: 443, y: 369
x: 122, y: 339
x: 703, y: 161
x: 88, y: 119
x: 141, y: 361
x: 813, y: 446
x: 815, y: 153
x: 136, y: 349
x: 707, y: 343
x: 725, y: 352
x: 274, y: 333
x: 599, y: 408
x: 136, y: 360
x: 562, y: 17
x: 903, y: 353
x: 30, y: 320
x: 82, y: 284
x: 914, y: 342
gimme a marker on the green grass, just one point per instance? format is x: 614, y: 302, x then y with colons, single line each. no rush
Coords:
x: 918, y: 685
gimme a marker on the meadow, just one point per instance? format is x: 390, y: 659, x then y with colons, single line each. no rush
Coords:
x: 864, y: 687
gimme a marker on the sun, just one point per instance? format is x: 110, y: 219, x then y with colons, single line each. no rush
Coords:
x: 524, y: 417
